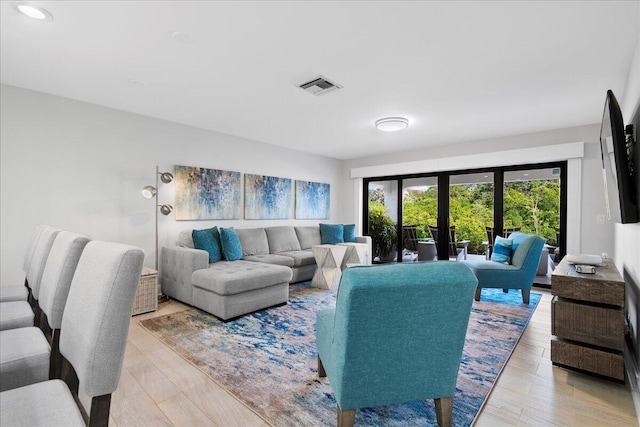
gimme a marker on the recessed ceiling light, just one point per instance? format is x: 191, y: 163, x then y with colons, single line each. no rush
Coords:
x: 392, y: 124
x: 136, y: 82
x: 181, y: 37
x: 34, y: 12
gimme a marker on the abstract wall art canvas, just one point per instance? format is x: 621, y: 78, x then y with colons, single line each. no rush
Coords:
x: 207, y: 193
x: 267, y: 197
x: 312, y: 200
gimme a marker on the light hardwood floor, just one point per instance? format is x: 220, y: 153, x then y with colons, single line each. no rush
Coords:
x: 159, y: 388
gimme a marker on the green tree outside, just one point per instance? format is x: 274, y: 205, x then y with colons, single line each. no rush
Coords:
x: 531, y: 205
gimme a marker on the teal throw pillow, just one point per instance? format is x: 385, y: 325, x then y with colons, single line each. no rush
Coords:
x: 349, y: 233
x: 502, y: 250
x: 330, y: 234
x: 231, y: 247
x: 208, y: 240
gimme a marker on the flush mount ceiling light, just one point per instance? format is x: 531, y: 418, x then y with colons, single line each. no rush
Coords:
x: 34, y: 12
x: 392, y: 124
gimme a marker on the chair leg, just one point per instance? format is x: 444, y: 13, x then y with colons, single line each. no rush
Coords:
x: 506, y: 291
x: 444, y: 411
x: 526, y: 293
x: 346, y: 418
x: 99, y: 416
x: 477, y: 295
x: 30, y: 299
x: 321, y: 372
x: 55, y: 361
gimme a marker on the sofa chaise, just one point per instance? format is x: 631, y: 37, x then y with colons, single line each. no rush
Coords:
x: 272, y: 257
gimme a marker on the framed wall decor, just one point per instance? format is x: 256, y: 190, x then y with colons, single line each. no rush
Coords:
x: 203, y: 193
x: 267, y: 197
x: 312, y: 200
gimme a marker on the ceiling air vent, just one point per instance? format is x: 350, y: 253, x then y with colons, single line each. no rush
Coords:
x: 319, y: 86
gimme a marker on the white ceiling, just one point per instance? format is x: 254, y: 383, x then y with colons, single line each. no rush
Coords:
x: 459, y: 71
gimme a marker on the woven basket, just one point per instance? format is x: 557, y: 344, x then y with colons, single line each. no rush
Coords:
x: 147, y: 295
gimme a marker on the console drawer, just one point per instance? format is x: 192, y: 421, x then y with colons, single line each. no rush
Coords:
x: 588, y: 359
x: 596, y: 325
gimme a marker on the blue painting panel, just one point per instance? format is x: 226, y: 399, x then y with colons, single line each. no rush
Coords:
x: 312, y: 200
x: 267, y: 197
x: 207, y: 193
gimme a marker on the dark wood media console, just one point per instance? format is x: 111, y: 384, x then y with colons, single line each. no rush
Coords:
x: 587, y: 319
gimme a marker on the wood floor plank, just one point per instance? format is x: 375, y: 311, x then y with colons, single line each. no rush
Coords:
x: 132, y: 406
x: 132, y: 355
x: 154, y: 382
x: 496, y: 414
x: 222, y: 407
x: 182, y: 412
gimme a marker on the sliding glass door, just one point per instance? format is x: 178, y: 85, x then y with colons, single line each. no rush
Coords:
x: 532, y: 203
x: 419, y: 216
x: 471, y: 206
x: 459, y: 213
x: 382, y: 219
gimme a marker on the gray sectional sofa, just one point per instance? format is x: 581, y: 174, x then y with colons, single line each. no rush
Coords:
x: 272, y: 258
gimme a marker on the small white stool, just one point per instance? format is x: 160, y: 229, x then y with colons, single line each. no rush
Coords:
x: 329, y: 260
x: 357, y: 254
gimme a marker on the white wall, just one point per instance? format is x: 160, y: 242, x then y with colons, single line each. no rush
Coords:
x: 627, y: 253
x: 81, y: 167
x: 593, y: 238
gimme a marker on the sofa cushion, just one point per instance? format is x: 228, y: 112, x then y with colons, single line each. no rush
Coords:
x: 282, y: 239
x: 185, y: 239
x: 276, y: 259
x: 308, y: 236
x: 300, y: 258
x: 231, y: 247
x: 230, y: 278
x: 332, y: 233
x: 502, y: 249
x: 208, y: 240
x: 253, y: 241
x: 349, y: 234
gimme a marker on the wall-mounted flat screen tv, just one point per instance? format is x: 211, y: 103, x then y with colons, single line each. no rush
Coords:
x: 617, y: 164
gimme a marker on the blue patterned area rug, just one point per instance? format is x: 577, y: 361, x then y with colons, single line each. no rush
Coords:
x: 268, y: 359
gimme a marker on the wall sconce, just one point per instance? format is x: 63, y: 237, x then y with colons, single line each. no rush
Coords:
x: 149, y: 192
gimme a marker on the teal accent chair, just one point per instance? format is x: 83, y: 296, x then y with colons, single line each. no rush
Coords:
x: 396, y: 335
x: 527, y: 249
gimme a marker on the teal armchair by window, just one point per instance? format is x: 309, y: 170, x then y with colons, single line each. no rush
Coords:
x: 518, y: 274
x: 396, y: 335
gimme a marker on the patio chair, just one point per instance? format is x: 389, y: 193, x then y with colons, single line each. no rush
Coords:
x: 454, y: 251
x: 410, y: 238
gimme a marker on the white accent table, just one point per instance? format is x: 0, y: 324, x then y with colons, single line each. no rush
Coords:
x: 357, y: 254
x: 329, y: 260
